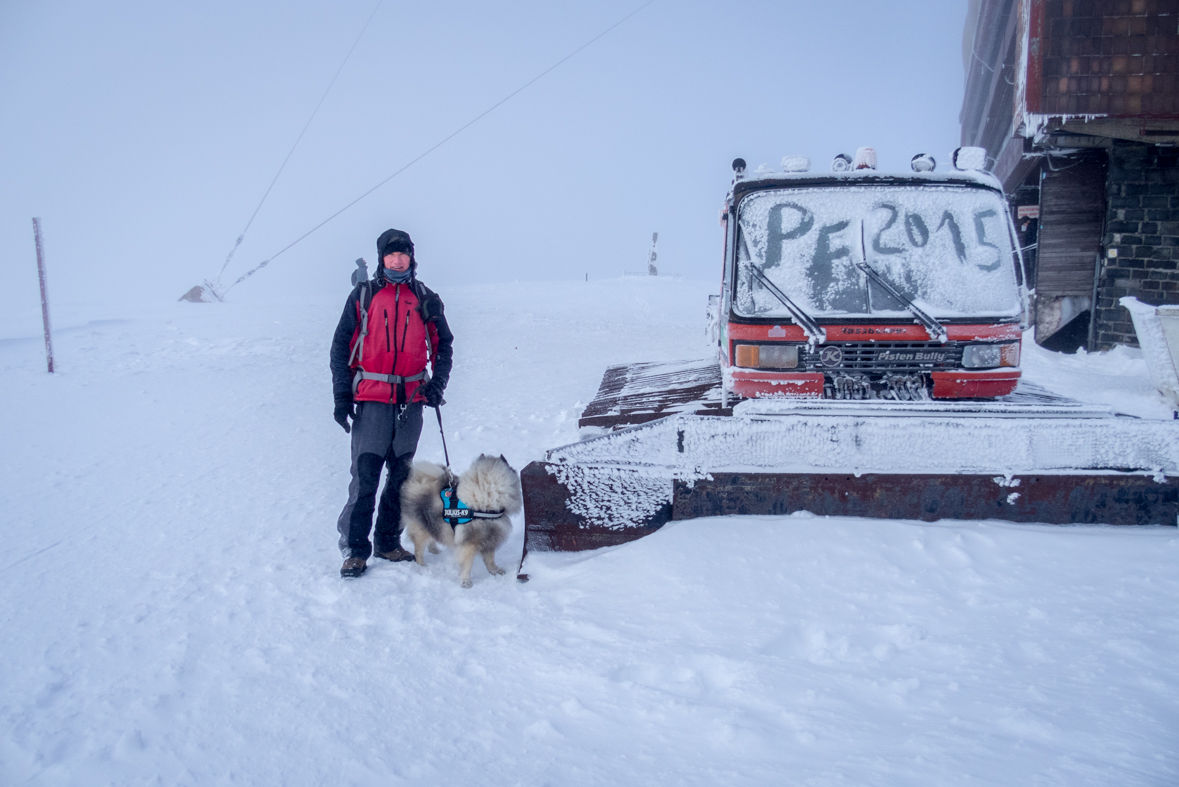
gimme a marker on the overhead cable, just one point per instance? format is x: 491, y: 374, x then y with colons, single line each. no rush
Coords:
x: 430, y: 150
x: 306, y: 125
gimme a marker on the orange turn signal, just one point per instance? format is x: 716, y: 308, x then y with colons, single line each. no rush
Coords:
x: 747, y: 355
x: 1009, y: 354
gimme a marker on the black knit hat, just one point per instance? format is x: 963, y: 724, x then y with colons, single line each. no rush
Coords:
x: 394, y: 240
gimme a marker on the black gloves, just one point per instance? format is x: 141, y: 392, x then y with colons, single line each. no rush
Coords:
x: 432, y: 391
x: 344, y: 411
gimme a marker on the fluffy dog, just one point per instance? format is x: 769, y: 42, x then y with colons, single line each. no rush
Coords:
x: 490, y: 484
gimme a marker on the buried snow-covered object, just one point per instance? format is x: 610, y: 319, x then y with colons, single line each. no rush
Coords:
x: 1032, y: 459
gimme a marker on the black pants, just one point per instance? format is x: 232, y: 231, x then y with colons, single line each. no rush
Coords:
x: 383, y: 435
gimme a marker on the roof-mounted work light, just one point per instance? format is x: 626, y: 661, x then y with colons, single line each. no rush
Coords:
x: 841, y: 163
x: 923, y: 162
x: 738, y: 168
x: 970, y: 158
x: 796, y: 164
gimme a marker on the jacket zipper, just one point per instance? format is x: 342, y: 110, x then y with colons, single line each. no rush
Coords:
x: 395, y: 393
x: 396, y: 311
x: 387, y: 348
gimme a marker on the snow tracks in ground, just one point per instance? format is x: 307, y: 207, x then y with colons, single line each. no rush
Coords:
x: 172, y: 613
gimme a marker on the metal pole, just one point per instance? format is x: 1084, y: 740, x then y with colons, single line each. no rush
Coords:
x: 1092, y: 337
x: 44, y: 294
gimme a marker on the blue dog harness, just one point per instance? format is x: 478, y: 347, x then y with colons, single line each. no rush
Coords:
x: 456, y: 512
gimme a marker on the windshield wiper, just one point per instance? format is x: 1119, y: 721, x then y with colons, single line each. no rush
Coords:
x: 814, y: 332
x: 936, y: 330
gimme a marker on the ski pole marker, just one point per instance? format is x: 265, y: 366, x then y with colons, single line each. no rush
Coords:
x: 44, y: 293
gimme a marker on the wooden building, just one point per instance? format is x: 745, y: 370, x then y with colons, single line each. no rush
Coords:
x: 1077, y: 105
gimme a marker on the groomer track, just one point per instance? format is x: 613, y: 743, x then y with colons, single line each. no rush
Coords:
x: 1029, y: 457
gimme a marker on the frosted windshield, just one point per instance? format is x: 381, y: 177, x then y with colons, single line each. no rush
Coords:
x: 946, y: 249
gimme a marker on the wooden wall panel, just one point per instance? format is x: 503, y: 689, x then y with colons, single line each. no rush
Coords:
x: 1072, y: 211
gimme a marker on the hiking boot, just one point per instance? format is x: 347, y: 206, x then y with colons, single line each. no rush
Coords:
x: 397, y: 555
x: 353, y: 567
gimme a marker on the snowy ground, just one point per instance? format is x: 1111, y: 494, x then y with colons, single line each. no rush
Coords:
x: 172, y: 612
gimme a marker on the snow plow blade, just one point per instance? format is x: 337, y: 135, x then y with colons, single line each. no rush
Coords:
x: 636, y: 393
x: 1031, y: 457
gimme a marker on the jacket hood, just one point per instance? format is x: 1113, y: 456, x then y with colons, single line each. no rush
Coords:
x: 395, y: 238
x: 399, y: 240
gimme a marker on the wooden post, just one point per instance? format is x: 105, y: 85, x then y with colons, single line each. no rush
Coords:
x: 44, y: 294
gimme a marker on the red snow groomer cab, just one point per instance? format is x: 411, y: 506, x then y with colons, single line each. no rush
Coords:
x: 852, y: 285
x: 863, y: 285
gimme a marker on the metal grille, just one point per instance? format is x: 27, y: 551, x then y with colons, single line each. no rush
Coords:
x: 885, y: 357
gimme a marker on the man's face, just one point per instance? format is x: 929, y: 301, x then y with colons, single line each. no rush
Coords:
x: 397, y: 261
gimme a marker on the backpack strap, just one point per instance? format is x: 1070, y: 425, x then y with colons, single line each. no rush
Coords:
x: 357, y: 355
x: 392, y: 379
x: 424, y: 294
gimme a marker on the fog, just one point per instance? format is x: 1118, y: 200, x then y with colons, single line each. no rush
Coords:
x: 144, y: 134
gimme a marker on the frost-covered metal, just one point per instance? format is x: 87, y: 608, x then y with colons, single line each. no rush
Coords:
x: 1035, y: 458
x: 1158, y: 335
x: 945, y: 248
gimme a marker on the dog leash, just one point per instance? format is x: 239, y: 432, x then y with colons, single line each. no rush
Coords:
x: 455, y: 511
x: 442, y: 434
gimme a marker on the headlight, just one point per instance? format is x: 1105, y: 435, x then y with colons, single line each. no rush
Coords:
x: 989, y: 356
x: 981, y: 356
x: 767, y: 356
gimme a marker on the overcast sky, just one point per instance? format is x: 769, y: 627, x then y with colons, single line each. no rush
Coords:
x: 145, y: 133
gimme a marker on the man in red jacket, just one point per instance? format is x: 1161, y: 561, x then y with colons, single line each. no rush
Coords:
x: 391, y: 328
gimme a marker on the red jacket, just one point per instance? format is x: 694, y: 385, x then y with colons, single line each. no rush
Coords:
x: 397, y: 342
